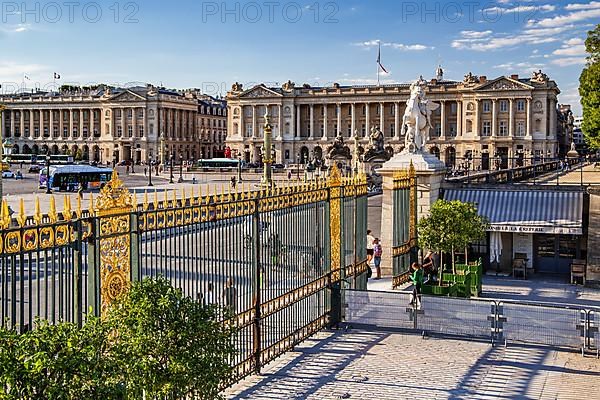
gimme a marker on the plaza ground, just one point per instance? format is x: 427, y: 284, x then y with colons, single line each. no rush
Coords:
x: 379, y: 364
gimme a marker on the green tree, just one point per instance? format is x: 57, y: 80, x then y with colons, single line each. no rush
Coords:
x: 169, y: 345
x: 589, y: 89
x: 451, y: 225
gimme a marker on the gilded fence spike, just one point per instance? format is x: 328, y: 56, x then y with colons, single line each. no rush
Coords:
x: 183, y: 198
x: 192, y: 197
x: 37, y: 215
x: 134, y: 201
x: 78, y: 211
x: 52, y: 214
x: 155, y: 199
x: 174, y: 201
x: 66, y: 213
x: 145, y: 203
x: 21, y: 217
x: 5, y: 215
x: 166, y: 199
x: 92, y: 209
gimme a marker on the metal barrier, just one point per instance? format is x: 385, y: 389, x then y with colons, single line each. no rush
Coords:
x: 498, y: 321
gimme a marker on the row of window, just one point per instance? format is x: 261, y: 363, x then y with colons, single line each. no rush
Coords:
x: 487, y: 105
x: 206, y: 110
x: 503, y: 128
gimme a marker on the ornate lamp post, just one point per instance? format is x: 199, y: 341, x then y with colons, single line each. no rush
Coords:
x: 48, y: 190
x: 180, y: 180
x: 151, y: 165
x: 162, y: 149
x: 267, y: 157
x: 171, y: 174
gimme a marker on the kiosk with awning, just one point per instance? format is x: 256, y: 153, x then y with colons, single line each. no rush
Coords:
x: 544, y: 225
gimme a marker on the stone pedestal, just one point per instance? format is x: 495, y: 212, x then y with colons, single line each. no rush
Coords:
x: 430, y: 173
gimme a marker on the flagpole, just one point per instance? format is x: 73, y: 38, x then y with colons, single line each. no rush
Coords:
x: 378, y: 61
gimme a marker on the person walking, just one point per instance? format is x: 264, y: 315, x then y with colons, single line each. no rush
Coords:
x: 230, y: 296
x: 377, y: 252
x: 370, y: 240
x: 430, y: 267
x: 416, y: 277
x: 145, y: 171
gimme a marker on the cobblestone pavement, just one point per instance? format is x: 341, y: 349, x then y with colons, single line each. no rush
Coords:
x: 383, y: 365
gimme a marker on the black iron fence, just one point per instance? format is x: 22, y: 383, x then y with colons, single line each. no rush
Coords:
x: 500, y: 321
x: 279, y: 258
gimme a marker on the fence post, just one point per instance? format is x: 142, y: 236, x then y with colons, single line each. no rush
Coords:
x: 335, y: 244
x: 93, y: 278
x: 77, y: 295
x: 256, y: 265
x: 135, y: 247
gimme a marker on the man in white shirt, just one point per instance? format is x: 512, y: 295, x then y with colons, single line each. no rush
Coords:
x: 370, y: 240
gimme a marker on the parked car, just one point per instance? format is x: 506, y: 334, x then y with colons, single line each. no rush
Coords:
x: 278, y: 166
x: 8, y: 174
x: 34, y: 169
x: 124, y: 163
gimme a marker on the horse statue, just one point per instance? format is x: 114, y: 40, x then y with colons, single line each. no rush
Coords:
x: 416, y: 121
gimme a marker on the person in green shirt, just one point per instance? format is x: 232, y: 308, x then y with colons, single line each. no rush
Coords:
x: 416, y: 277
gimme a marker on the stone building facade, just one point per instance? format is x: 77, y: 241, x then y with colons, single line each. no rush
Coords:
x: 212, y: 120
x: 107, y: 124
x: 507, y: 120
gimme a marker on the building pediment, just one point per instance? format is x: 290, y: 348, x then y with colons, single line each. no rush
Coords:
x: 504, y: 83
x: 128, y: 96
x: 259, y: 91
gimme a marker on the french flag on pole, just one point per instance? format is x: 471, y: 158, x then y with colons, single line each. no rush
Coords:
x: 379, y: 59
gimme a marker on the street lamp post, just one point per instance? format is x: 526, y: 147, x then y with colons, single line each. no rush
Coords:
x: 2, y: 107
x: 48, y: 191
x: 151, y: 165
x: 171, y: 175
x: 180, y: 180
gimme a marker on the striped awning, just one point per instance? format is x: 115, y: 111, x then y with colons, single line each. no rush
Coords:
x: 526, y: 211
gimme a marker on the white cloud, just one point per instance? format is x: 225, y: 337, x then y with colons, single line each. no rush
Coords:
x: 574, y: 42
x: 548, y: 31
x: 475, y: 34
x: 584, y: 6
x: 578, y: 50
x: 520, y: 9
x: 18, y: 28
x: 568, y: 61
x: 519, y: 66
x: 397, y: 46
x: 570, y: 18
x: 499, y: 42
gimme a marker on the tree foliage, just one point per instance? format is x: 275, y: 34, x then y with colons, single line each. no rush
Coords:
x: 589, y: 89
x: 451, y: 225
x: 152, y: 342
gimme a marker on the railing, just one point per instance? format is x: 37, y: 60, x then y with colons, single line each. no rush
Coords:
x: 277, y: 257
x: 499, y: 321
x: 404, y: 226
x: 535, y: 173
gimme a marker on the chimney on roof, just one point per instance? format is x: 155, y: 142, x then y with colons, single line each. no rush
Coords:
x: 514, y: 76
x: 482, y: 79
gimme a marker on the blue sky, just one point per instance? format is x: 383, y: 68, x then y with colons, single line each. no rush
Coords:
x: 210, y: 45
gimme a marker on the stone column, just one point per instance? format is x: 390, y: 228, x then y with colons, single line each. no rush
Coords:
x: 528, y: 120
x: 124, y: 127
x: 22, y: 122
x: 61, y: 124
x: 459, y: 118
x: 494, y: 117
x: 476, y: 124
x: 12, y: 126
x: 51, y: 122
x: 134, y: 122
x: 253, y: 121
x: 2, y: 127
x: 443, y: 119
x: 552, y: 132
x: 312, y: 121
x: 81, y: 123
x: 280, y: 122
x: 31, y: 124
x: 367, y: 118
x: 298, y: 121
x: 511, y: 117
x: 41, y: 123
x: 325, y: 122
x: 339, y: 119
x: 382, y: 117
x: 397, y: 127
x: 352, y: 118
x: 92, y: 111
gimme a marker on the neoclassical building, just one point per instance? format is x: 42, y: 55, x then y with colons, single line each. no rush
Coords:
x: 108, y: 124
x: 212, y: 120
x: 507, y: 119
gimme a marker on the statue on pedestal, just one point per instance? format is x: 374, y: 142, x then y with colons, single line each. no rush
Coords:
x: 338, y: 150
x: 376, y: 149
x: 416, y: 122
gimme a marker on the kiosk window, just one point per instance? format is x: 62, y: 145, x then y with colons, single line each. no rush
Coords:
x: 567, y: 247
x: 545, y: 247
